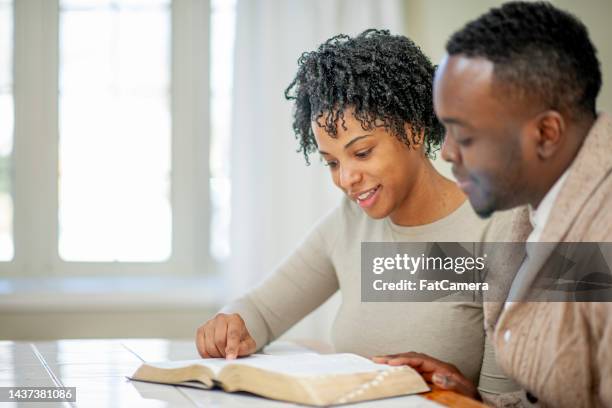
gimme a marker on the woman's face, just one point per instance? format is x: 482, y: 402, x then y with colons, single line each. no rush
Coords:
x: 372, y: 167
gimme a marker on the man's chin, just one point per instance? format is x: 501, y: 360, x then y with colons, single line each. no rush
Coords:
x: 483, y: 210
x: 484, y: 214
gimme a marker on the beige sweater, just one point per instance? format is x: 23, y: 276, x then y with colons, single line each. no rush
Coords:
x: 329, y: 260
x: 561, y: 353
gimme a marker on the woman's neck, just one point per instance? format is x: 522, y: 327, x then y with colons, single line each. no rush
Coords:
x: 432, y: 198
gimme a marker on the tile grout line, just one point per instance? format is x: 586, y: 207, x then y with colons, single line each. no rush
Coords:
x: 132, y: 351
x: 56, y: 381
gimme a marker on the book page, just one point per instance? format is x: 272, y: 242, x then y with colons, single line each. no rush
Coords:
x: 215, y: 364
x: 309, y: 364
x: 302, y: 364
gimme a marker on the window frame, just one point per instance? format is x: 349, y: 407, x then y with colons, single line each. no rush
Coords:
x: 36, y: 144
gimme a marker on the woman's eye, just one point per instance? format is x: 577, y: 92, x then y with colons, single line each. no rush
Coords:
x: 464, y: 142
x: 332, y: 163
x: 364, y: 153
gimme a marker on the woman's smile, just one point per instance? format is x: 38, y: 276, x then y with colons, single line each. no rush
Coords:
x: 367, y: 198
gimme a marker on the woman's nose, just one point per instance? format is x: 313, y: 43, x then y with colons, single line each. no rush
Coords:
x: 349, y: 176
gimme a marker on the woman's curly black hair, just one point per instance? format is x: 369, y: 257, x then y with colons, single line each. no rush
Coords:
x: 385, y: 78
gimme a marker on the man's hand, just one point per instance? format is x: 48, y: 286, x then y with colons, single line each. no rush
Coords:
x: 224, y: 336
x: 445, y: 376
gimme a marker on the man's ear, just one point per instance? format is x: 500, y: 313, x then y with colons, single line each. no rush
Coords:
x: 550, y: 133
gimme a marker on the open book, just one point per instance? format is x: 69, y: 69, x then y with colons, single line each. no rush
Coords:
x: 308, y: 378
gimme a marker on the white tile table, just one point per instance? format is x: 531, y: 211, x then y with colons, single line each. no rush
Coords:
x: 98, y: 370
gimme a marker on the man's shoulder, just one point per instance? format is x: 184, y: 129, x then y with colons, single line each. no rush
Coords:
x: 594, y: 223
x: 587, y: 197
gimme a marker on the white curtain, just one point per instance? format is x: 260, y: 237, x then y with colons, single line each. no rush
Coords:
x: 276, y: 198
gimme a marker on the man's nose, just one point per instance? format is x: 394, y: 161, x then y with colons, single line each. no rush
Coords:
x: 449, y: 150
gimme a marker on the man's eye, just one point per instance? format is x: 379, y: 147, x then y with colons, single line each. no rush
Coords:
x: 364, y: 153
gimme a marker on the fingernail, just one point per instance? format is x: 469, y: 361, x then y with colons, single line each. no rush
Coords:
x: 440, y: 380
x: 230, y: 356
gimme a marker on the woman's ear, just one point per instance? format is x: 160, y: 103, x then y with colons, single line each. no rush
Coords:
x: 550, y: 129
x: 417, y: 140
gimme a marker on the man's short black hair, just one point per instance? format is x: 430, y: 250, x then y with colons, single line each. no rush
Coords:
x: 538, y: 51
x: 385, y: 78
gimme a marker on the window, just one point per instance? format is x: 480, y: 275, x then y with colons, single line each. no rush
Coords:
x: 115, y: 167
x: 114, y: 131
x: 6, y: 129
x: 222, y: 33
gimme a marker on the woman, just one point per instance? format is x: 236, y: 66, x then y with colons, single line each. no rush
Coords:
x: 365, y: 105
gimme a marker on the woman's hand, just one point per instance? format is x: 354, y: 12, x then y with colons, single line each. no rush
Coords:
x: 445, y: 376
x: 225, y: 335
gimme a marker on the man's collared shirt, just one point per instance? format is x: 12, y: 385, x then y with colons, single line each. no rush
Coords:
x: 539, y: 216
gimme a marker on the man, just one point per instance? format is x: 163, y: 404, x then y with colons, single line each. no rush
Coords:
x: 517, y: 95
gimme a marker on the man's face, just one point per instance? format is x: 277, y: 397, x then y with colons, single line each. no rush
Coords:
x: 484, y: 135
